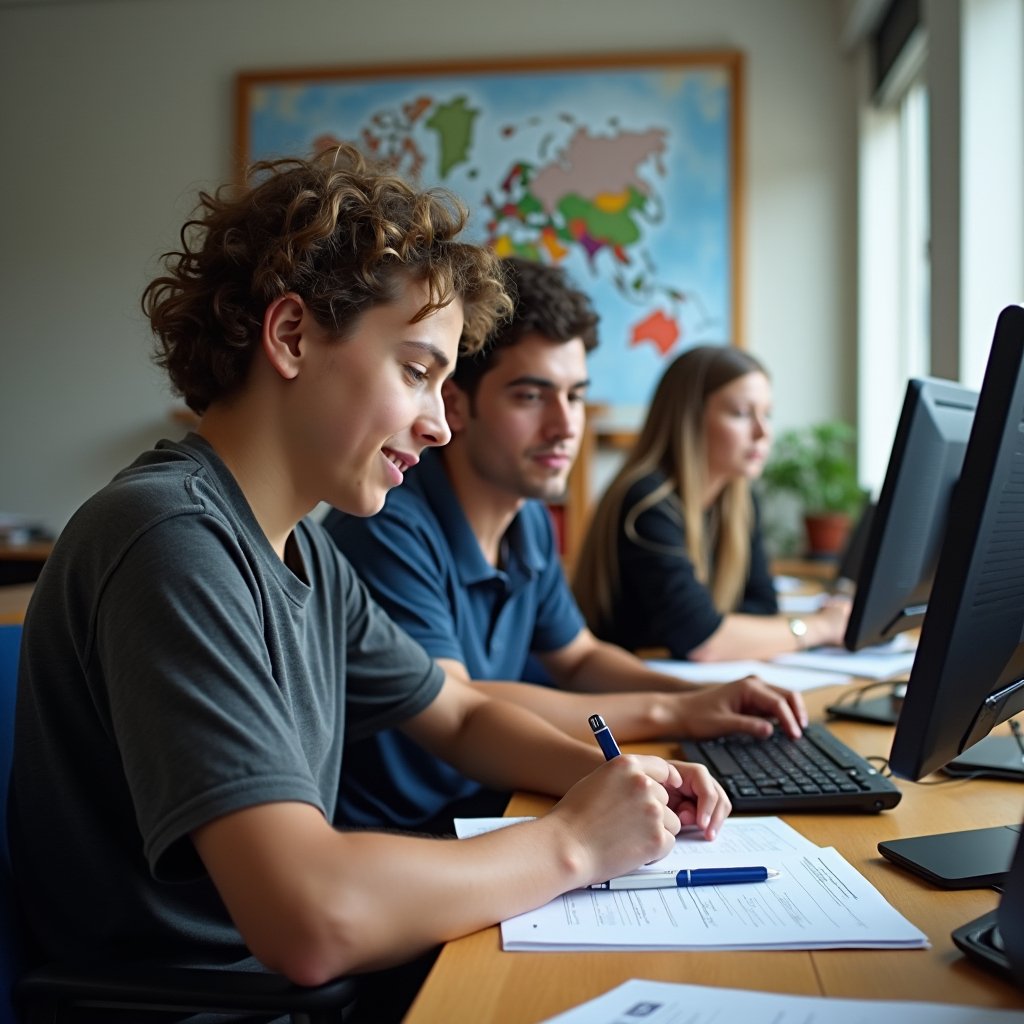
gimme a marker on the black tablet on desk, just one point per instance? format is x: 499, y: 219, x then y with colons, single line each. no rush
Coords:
x: 992, y: 758
x: 957, y: 860
x: 882, y: 707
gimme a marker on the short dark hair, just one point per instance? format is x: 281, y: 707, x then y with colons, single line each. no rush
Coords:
x: 340, y: 233
x: 546, y: 303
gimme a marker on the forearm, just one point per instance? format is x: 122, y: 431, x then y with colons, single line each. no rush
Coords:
x: 605, y: 668
x: 460, y: 886
x: 762, y: 637
x: 511, y: 744
x: 313, y: 903
x: 650, y: 705
x: 747, y: 636
x: 637, y: 716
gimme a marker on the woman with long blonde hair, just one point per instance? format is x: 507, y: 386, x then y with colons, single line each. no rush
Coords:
x: 674, y: 557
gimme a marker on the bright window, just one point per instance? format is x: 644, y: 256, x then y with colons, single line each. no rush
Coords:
x: 894, y: 272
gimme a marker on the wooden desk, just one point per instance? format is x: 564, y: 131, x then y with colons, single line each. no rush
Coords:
x: 13, y: 602
x: 474, y: 982
x: 816, y: 570
x: 22, y: 563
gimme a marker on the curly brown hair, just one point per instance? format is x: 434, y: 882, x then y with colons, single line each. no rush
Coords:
x: 546, y: 303
x: 340, y: 233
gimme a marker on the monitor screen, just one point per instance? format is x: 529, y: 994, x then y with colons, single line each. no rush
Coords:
x: 905, y: 532
x: 968, y: 673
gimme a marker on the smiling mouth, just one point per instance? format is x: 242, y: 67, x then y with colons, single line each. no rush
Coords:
x: 399, y: 463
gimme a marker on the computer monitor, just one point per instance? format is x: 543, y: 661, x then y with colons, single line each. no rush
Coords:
x: 909, y: 520
x: 968, y: 673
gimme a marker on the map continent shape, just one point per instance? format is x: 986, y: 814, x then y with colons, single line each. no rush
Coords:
x: 600, y: 165
x: 453, y: 123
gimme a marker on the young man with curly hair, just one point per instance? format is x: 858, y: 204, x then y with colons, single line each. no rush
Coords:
x: 197, y: 652
x: 463, y: 557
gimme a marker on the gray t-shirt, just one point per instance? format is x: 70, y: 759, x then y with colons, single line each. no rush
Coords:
x: 173, y: 670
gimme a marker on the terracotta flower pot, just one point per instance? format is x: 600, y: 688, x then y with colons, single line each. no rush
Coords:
x: 826, y: 533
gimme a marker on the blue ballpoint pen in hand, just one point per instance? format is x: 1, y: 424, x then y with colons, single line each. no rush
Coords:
x: 686, y: 878
x: 604, y: 737
x: 668, y: 879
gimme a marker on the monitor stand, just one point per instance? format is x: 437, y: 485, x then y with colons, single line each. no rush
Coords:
x: 973, y: 859
x: 997, y: 939
x: 982, y: 940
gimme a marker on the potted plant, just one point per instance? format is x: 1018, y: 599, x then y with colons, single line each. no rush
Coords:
x: 816, y: 465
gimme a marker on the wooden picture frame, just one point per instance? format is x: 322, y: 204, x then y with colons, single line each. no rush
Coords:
x: 624, y: 169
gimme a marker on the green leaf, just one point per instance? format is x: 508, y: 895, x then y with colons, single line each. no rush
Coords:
x: 817, y: 464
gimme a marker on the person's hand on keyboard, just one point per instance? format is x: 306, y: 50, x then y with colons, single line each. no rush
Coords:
x: 748, y: 705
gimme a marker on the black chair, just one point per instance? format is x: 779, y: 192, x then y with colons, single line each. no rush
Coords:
x: 53, y: 992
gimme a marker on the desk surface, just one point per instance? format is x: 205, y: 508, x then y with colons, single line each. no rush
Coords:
x: 14, y: 601
x: 32, y: 551
x: 473, y: 981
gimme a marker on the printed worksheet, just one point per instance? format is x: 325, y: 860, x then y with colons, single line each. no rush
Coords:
x: 662, y: 1002
x: 818, y: 901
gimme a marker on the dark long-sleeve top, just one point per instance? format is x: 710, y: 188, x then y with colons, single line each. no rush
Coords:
x: 660, y: 602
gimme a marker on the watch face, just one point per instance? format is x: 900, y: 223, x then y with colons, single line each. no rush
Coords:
x: 798, y: 627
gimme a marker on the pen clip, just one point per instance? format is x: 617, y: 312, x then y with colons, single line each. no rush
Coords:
x: 604, y: 737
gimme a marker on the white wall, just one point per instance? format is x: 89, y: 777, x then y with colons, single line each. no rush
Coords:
x: 115, y: 111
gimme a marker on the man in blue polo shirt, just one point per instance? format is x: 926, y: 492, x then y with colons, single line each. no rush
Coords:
x: 464, y: 558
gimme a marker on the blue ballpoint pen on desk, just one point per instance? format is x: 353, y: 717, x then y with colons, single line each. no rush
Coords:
x: 604, y: 737
x: 686, y: 878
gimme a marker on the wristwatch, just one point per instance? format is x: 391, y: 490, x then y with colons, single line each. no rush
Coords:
x: 799, y: 630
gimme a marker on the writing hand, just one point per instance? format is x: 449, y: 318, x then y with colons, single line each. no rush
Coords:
x: 620, y: 813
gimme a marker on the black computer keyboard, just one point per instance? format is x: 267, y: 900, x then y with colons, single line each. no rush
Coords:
x: 814, y: 773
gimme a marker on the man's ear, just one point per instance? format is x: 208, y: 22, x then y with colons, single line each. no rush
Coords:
x: 456, y: 405
x: 281, y: 337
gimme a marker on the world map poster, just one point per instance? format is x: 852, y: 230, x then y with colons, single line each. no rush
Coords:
x: 624, y: 172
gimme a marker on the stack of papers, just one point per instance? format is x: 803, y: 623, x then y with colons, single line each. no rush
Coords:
x: 818, y: 901
x: 791, y: 677
x: 802, y: 604
x: 803, y: 670
x: 880, y: 662
x: 663, y: 1002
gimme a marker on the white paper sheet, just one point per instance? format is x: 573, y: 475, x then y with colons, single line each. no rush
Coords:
x: 466, y: 827
x: 881, y: 662
x: 798, y: 604
x: 787, y: 584
x: 791, y: 677
x: 663, y: 1002
x: 818, y: 902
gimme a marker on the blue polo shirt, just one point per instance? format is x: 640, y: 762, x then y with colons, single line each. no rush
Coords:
x: 421, y: 561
